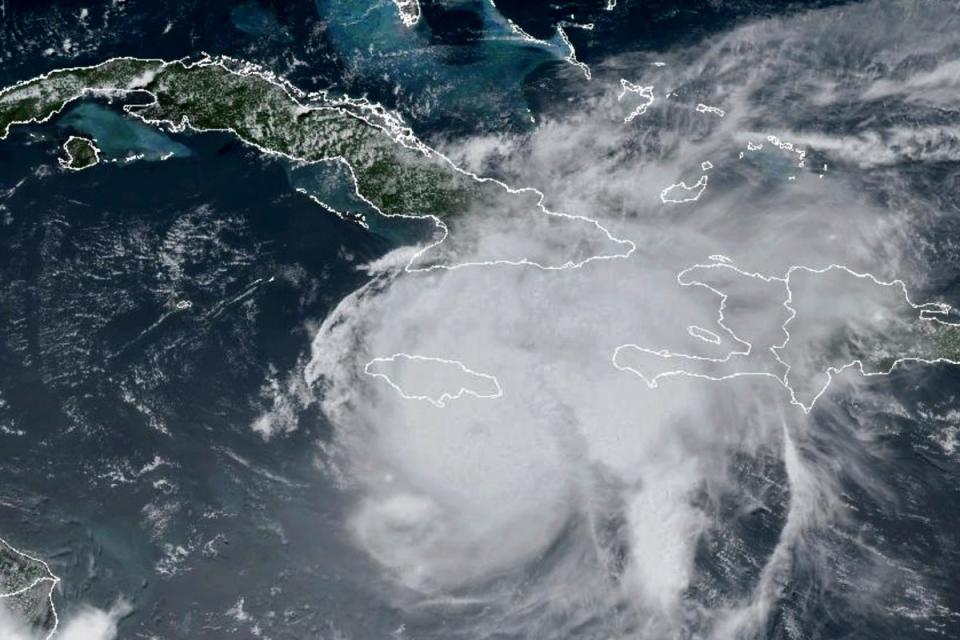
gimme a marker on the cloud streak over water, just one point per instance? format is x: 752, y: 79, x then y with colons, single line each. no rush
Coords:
x: 580, y: 502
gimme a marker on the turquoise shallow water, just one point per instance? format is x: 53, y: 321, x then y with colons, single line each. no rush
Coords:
x: 138, y: 474
x: 471, y: 71
x: 118, y: 137
x: 257, y: 20
x: 129, y: 460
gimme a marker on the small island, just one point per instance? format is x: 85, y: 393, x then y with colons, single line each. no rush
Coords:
x: 392, y: 170
x: 79, y: 153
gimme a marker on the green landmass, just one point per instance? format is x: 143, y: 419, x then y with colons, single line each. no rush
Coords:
x: 31, y: 606
x: 211, y: 95
x: 42, y: 97
x: 923, y: 339
x: 80, y: 153
x: 944, y: 341
x: 17, y: 571
x: 910, y: 337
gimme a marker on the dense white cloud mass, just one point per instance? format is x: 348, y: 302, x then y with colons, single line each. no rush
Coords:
x: 93, y: 624
x: 581, y: 498
x: 85, y: 623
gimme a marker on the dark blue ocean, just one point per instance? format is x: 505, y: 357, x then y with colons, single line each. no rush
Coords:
x: 150, y: 310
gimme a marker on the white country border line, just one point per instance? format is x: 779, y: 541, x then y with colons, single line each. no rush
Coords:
x: 83, y: 93
x: 644, y: 91
x: 705, y: 108
x: 937, y: 308
x: 746, y: 351
x: 572, y: 56
x: 52, y: 578
x: 444, y: 397
x: 409, y: 11
x: 703, y: 334
x: 699, y: 187
x: 630, y: 246
x: 393, y: 126
x: 526, y: 37
x: 654, y: 382
x: 924, y: 308
x: 373, y: 114
x: 65, y: 164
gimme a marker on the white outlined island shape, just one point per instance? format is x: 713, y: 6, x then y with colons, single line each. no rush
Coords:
x: 434, y: 380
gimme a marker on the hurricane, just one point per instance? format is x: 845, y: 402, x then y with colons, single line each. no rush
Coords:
x: 479, y: 320
x: 723, y: 499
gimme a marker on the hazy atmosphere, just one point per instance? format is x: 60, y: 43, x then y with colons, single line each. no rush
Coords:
x: 462, y: 319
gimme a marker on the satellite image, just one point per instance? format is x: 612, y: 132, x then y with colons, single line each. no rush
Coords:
x: 479, y: 319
